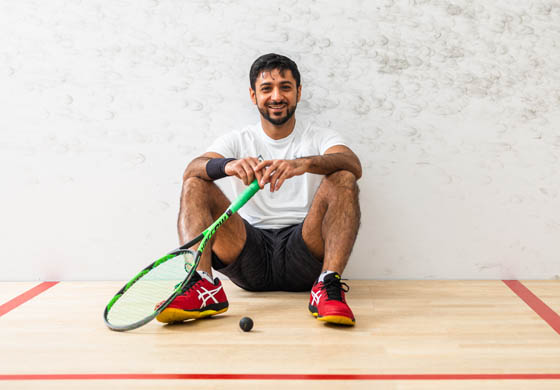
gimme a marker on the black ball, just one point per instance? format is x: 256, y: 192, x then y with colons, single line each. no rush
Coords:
x: 246, y: 324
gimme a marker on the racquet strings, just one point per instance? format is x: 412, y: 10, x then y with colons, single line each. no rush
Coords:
x: 141, y: 299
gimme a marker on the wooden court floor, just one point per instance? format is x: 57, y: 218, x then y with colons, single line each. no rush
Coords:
x: 409, y: 335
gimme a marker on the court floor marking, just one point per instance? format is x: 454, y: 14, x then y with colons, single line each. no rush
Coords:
x: 546, y: 313
x: 26, y: 296
x: 310, y: 377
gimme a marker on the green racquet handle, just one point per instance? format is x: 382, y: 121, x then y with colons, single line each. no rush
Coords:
x: 245, y: 196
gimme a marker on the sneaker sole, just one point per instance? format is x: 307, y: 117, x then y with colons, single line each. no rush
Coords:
x: 313, y: 310
x: 171, y: 315
x: 340, y: 320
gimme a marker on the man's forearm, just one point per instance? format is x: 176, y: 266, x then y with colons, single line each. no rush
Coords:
x: 332, y: 162
x: 197, y: 168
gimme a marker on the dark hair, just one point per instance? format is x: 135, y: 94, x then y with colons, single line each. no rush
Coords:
x: 273, y: 61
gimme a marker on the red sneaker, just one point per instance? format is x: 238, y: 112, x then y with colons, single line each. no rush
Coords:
x: 328, y: 303
x: 200, y: 299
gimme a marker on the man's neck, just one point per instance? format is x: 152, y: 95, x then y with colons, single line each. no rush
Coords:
x: 278, y: 132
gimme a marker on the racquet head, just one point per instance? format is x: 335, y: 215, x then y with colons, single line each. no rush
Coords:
x: 150, y: 291
x: 157, y: 285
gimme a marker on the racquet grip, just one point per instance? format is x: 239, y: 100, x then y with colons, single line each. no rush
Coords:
x: 245, y: 196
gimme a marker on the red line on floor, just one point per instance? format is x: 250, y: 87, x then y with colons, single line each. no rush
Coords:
x: 311, y: 377
x: 26, y: 296
x: 538, y: 306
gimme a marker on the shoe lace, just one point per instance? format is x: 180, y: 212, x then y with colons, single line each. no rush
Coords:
x: 192, y: 281
x: 333, y: 287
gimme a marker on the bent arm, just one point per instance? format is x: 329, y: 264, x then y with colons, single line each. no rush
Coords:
x: 336, y: 158
x: 197, y: 167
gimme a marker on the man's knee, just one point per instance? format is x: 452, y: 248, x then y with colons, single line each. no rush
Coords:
x: 204, y: 194
x: 196, y: 184
x: 198, y: 190
x: 342, y: 180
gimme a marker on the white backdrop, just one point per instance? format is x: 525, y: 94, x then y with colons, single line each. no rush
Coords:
x: 453, y: 107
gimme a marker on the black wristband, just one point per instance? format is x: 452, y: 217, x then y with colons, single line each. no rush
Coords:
x: 216, y: 167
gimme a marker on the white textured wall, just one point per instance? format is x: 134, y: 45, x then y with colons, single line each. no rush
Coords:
x: 453, y: 107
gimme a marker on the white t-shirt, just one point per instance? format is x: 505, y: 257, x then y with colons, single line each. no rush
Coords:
x: 290, y: 204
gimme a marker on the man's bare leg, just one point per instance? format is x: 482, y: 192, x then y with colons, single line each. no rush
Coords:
x: 202, y: 202
x: 332, y: 224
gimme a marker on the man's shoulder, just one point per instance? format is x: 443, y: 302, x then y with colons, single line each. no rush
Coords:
x: 248, y: 130
x: 323, y: 136
x: 240, y: 133
x: 317, y: 129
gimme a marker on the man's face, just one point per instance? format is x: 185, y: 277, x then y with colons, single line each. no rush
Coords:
x: 276, y: 95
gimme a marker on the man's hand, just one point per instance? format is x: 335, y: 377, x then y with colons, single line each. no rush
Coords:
x: 276, y: 172
x: 245, y: 169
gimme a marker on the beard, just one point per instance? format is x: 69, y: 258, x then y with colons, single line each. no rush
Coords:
x: 278, y: 121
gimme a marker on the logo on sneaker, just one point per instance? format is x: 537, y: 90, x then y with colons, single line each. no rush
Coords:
x: 206, y: 295
x: 315, y: 297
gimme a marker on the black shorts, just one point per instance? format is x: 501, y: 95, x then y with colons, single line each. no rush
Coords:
x: 272, y: 260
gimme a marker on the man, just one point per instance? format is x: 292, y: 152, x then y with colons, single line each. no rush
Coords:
x: 296, y: 235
